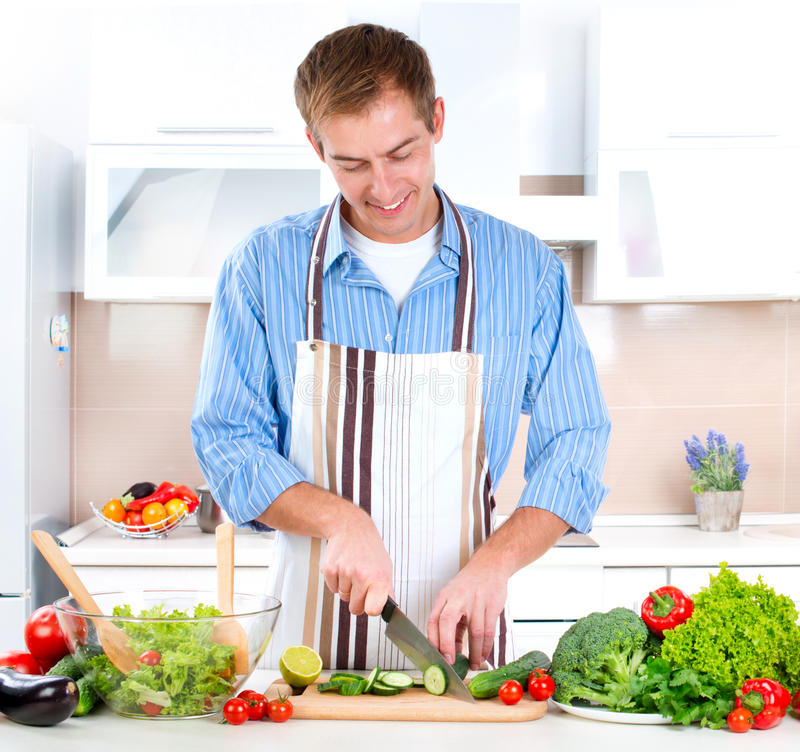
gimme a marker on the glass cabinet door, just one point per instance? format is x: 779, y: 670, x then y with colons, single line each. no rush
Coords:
x: 161, y: 222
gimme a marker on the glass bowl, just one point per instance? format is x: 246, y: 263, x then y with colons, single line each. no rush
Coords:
x: 182, y: 672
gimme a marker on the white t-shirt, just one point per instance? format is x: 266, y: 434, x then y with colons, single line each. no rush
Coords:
x: 396, y: 265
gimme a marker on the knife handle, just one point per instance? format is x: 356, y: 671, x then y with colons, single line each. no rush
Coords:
x: 388, y: 609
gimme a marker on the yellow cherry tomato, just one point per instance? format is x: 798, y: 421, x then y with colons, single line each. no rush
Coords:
x: 176, y: 507
x: 114, y: 510
x: 153, y: 514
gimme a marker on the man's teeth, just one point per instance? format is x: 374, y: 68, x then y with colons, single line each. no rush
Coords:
x: 392, y: 206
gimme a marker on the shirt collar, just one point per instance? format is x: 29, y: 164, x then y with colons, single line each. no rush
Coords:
x: 450, y: 252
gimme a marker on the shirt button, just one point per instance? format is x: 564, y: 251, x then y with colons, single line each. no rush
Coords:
x: 388, y: 338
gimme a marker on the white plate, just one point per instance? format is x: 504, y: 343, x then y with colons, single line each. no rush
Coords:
x: 612, y: 716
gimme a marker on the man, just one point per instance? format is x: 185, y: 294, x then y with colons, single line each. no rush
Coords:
x: 364, y: 371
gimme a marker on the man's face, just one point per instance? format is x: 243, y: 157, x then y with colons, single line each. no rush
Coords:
x: 382, y: 161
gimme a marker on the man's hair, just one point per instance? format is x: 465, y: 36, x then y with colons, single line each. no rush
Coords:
x: 346, y: 71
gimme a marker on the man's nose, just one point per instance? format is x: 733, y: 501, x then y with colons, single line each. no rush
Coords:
x: 383, y: 182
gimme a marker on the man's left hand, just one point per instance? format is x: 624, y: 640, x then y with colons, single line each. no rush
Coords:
x: 470, y: 603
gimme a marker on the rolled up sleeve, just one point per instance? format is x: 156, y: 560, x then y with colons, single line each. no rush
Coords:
x: 234, y: 422
x: 569, y: 429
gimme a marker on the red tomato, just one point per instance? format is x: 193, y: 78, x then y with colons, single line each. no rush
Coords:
x: 511, y: 692
x: 540, y: 685
x: 23, y: 663
x: 245, y: 693
x: 151, y: 708
x: 256, y: 706
x: 44, y: 637
x: 150, y: 658
x: 75, y: 628
x: 740, y: 720
x: 796, y: 702
x: 279, y: 710
x: 235, y: 711
x: 134, y: 522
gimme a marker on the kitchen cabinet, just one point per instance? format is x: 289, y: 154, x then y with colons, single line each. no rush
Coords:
x: 694, y: 224
x: 676, y: 77
x: 160, y: 220
x: 202, y: 74
x: 474, y: 49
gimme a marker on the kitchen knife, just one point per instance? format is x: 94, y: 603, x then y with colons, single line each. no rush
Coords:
x: 416, y: 647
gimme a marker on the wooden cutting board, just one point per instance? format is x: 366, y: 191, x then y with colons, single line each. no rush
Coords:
x: 415, y: 704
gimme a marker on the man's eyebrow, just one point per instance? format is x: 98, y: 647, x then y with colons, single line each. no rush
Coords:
x: 343, y: 158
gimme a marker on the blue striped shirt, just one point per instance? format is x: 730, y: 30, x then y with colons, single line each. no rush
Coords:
x: 536, y: 359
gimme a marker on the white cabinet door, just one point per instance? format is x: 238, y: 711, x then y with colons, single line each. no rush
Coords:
x: 474, y: 49
x: 538, y: 635
x: 695, y: 224
x: 202, y: 74
x: 675, y: 76
x: 629, y: 586
x: 14, y: 613
x: 105, y: 579
x: 538, y: 593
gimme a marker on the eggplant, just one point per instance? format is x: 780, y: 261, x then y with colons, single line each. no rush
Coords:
x: 140, y: 490
x: 37, y: 700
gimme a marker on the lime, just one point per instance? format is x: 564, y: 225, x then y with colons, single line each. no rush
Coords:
x: 300, y: 665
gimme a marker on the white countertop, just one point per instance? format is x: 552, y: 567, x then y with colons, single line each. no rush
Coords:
x: 619, y: 546
x: 102, y: 730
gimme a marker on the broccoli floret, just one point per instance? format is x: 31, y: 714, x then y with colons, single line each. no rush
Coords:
x: 597, y: 657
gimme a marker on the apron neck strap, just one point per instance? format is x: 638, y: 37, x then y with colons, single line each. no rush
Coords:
x: 464, y: 323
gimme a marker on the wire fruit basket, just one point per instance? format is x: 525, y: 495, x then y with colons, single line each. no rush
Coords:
x: 157, y: 530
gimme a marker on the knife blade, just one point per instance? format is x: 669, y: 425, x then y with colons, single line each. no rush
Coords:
x: 416, y: 647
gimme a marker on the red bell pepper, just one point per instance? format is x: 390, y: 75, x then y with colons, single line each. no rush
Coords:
x: 766, y: 699
x: 666, y: 608
x: 189, y: 496
x: 164, y: 493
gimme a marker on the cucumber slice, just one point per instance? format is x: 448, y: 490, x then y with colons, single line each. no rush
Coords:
x: 372, y: 678
x: 379, y: 688
x: 329, y: 686
x: 342, y: 677
x: 351, y: 689
x: 396, y: 679
x: 434, y: 679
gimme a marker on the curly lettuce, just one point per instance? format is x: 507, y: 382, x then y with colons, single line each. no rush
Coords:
x: 738, y: 631
x: 194, y: 673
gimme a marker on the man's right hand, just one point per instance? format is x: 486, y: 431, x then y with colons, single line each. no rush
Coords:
x: 355, y: 564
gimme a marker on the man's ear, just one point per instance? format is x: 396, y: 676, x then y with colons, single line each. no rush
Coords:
x: 438, y: 119
x: 313, y: 142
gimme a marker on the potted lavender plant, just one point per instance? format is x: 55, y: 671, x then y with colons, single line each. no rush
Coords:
x: 717, y: 474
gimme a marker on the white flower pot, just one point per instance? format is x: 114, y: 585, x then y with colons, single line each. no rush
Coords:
x: 719, y: 511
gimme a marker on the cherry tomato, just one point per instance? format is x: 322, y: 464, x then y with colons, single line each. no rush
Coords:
x: 511, y: 692
x: 280, y: 710
x: 153, y: 514
x: 235, y: 711
x: 151, y: 708
x: 796, y: 702
x: 22, y: 663
x: 740, y: 720
x: 176, y: 507
x: 150, y: 658
x: 256, y: 706
x: 134, y: 522
x: 540, y: 685
x: 114, y: 510
x: 44, y: 637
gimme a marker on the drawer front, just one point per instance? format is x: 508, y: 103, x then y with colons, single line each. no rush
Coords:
x: 560, y: 593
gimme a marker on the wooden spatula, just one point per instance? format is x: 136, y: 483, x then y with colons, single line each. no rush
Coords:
x: 228, y: 631
x: 112, y: 639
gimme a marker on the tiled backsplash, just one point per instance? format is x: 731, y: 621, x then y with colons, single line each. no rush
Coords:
x: 667, y: 371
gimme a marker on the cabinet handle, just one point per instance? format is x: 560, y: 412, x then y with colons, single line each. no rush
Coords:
x: 216, y: 129
x: 722, y: 134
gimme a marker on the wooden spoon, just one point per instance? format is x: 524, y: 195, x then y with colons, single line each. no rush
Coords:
x: 112, y: 639
x: 228, y: 631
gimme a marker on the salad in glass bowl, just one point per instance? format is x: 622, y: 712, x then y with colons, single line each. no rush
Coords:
x: 185, y: 666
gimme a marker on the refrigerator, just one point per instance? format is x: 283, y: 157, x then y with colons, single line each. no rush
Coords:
x: 36, y: 194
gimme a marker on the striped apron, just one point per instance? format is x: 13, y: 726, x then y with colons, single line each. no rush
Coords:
x: 401, y: 435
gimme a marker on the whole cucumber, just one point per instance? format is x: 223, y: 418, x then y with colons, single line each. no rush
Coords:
x: 487, y: 684
x: 37, y: 700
